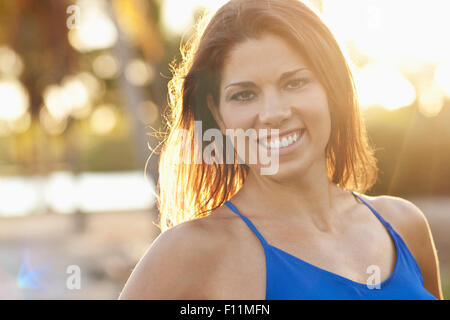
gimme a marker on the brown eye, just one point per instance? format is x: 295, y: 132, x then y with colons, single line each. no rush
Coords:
x: 297, y: 83
x: 243, y: 96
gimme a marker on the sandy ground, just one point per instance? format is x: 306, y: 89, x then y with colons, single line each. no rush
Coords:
x: 43, y: 247
x: 36, y: 251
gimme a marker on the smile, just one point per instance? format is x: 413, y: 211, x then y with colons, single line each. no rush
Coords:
x: 282, y: 142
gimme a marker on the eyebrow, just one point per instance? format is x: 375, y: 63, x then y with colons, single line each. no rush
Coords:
x: 282, y: 77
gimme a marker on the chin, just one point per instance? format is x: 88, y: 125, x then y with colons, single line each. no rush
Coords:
x: 285, y: 171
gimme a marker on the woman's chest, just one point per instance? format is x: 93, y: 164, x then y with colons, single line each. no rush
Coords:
x: 354, y: 255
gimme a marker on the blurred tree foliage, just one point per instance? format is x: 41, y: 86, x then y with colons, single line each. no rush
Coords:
x: 30, y: 28
x: 37, y: 31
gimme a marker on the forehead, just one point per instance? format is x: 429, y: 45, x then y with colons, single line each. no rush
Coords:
x: 259, y: 58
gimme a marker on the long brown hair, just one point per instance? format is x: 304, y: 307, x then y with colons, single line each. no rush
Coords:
x: 188, y: 191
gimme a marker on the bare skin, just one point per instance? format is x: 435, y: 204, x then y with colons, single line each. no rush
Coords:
x: 218, y: 257
x: 363, y: 241
x: 297, y: 210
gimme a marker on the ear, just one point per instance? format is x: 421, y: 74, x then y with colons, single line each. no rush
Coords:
x: 215, y: 112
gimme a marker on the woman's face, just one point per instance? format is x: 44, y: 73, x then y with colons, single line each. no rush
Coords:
x: 267, y: 85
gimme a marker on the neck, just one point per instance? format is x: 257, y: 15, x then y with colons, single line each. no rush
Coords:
x: 310, y: 197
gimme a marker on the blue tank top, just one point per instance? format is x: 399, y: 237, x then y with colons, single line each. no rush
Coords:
x: 291, y: 278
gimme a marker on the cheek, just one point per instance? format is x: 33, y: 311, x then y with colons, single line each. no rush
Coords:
x: 316, y: 113
x: 238, y: 117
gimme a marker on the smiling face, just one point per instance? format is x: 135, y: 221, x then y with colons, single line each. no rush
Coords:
x: 267, y: 85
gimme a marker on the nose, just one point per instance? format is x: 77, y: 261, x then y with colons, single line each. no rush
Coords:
x: 273, y: 111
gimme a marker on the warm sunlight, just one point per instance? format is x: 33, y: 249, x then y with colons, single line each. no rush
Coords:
x: 383, y: 85
x: 108, y: 138
x: 94, y: 30
x: 373, y: 28
x: 178, y: 14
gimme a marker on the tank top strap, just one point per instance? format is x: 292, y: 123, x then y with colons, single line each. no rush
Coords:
x: 264, y: 242
x: 248, y: 222
x: 384, y: 222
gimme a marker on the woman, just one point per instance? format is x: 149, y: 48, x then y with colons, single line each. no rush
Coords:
x: 306, y: 231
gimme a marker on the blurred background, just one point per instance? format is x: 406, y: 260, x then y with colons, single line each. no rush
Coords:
x: 84, y: 83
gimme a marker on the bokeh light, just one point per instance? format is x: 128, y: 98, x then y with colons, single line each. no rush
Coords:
x: 139, y: 72
x: 10, y: 62
x: 94, y: 30
x: 52, y: 125
x: 14, y: 99
x: 178, y: 15
x: 103, y: 119
x: 57, y: 102
x: 106, y: 66
x: 95, y: 87
x: 431, y: 100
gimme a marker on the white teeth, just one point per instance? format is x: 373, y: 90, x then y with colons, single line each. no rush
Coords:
x: 283, y: 143
x: 275, y: 144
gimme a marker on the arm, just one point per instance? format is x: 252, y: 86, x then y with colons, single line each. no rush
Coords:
x: 176, y: 266
x: 413, y: 225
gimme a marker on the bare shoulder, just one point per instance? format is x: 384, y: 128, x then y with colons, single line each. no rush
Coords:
x: 412, y: 225
x: 179, y: 264
x: 404, y: 216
